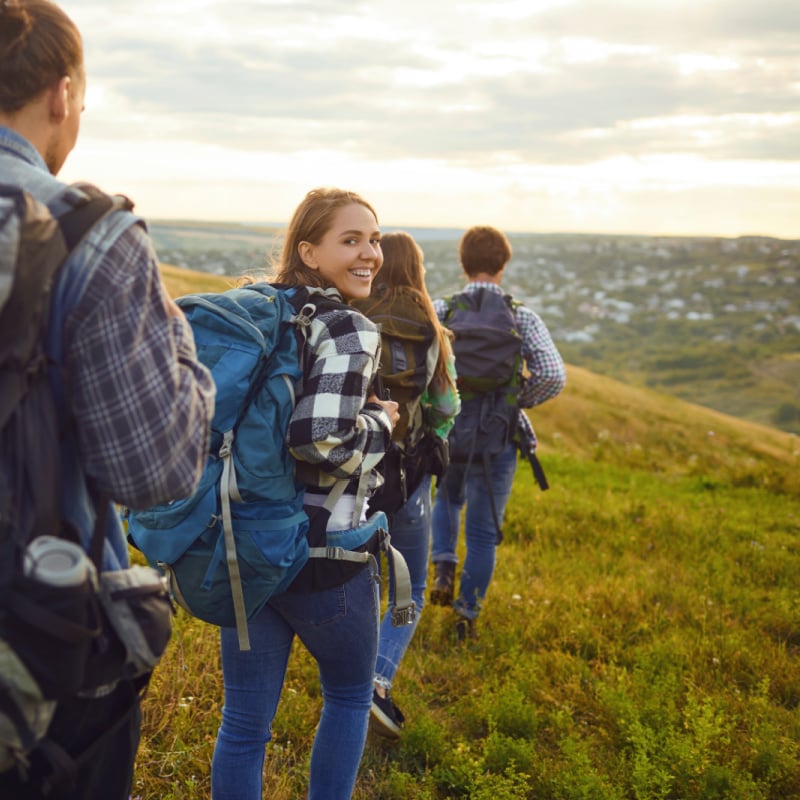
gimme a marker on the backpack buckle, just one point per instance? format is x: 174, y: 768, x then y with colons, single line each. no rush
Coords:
x: 226, y: 448
x: 404, y: 616
x: 304, y: 316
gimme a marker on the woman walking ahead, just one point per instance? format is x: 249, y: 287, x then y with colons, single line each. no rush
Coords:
x: 339, y: 432
x: 421, y: 378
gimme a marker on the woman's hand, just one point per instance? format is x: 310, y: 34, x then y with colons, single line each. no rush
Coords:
x: 389, y: 406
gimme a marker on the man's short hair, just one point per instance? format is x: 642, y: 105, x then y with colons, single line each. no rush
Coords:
x: 39, y: 45
x: 483, y: 249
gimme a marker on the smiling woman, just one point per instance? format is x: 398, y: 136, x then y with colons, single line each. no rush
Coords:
x: 338, y: 433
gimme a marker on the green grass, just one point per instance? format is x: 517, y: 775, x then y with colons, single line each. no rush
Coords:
x: 640, y: 639
x: 183, y: 281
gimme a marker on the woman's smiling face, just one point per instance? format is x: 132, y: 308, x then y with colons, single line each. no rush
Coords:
x: 349, y: 254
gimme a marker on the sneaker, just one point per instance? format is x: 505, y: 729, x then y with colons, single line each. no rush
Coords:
x: 386, y: 718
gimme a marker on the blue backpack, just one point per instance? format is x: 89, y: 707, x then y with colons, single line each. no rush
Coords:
x: 241, y: 537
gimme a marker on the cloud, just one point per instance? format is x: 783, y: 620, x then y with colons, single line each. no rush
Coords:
x: 293, y: 70
x: 473, y: 85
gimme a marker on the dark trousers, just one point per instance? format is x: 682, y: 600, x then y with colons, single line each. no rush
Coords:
x: 107, y: 729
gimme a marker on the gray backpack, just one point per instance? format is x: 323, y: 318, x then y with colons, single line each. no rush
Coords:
x: 488, y: 353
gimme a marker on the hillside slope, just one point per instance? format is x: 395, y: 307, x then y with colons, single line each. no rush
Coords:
x: 640, y: 638
x: 600, y: 418
x: 185, y: 281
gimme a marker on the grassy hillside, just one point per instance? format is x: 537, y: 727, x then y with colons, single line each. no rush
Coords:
x: 184, y: 281
x: 640, y: 639
x: 605, y: 420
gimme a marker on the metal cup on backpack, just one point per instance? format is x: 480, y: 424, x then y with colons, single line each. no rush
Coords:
x: 52, y: 614
x: 57, y: 562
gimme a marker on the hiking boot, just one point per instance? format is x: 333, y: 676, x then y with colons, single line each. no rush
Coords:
x: 465, y: 629
x: 442, y: 591
x: 385, y: 717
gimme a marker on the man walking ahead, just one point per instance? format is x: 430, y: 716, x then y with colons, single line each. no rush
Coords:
x: 134, y: 402
x: 495, y: 337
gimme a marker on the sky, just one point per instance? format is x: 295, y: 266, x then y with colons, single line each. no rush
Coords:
x: 543, y: 116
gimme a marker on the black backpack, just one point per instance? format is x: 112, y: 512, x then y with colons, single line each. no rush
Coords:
x: 47, y: 631
x: 488, y: 352
x: 488, y: 355
x: 33, y: 246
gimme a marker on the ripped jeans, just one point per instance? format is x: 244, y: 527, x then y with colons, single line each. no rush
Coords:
x: 410, y: 529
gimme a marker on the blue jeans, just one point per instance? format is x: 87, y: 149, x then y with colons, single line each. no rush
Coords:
x: 339, y: 627
x: 410, y: 529
x: 481, y: 533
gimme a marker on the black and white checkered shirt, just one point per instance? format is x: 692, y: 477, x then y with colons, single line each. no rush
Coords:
x: 334, y: 433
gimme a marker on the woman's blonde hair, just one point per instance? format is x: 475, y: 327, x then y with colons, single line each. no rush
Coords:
x: 403, y: 271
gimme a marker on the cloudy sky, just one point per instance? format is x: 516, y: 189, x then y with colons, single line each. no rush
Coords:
x: 622, y: 116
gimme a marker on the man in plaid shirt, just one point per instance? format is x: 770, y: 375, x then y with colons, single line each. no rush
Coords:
x: 484, y: 253
x: 138, y: 403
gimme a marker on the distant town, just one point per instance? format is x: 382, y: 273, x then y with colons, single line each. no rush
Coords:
x: 712, y: 320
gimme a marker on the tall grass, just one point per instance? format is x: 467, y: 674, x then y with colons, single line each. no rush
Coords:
x: 640, y: 639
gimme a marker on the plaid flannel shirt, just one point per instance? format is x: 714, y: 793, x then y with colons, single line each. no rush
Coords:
x: 138, y: 403
x: 142, y: 401
x: 441, y: 402
x: 334, y: 433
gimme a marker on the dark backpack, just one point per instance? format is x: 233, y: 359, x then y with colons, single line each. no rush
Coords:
x: 49, y: 634
x: 406, y: 338
x: 34, y: 246
x: 241, y: 537
x: 488, y: 354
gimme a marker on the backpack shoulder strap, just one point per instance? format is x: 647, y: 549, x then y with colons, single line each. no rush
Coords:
x: 30, y: 290
x: 75, y: 224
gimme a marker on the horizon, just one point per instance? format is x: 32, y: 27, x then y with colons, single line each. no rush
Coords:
x: 457, y: 231
x: 618, y: 117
